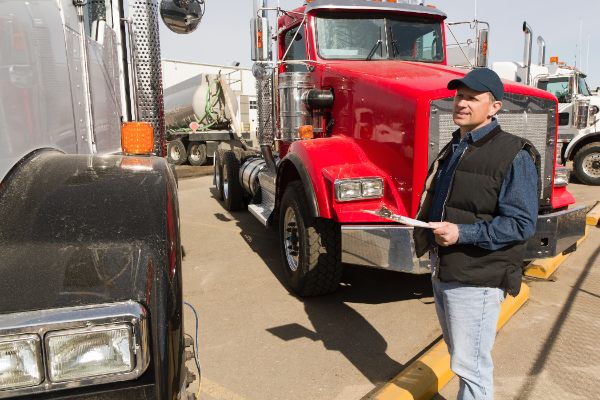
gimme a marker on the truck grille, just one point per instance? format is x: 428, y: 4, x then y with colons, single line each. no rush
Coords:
x: 528, y: 117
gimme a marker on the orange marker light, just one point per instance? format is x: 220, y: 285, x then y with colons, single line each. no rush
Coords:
x: 260, y: 41
x: 137, y: 138
x: 553, y: 60
x: 305, y: 132
x: 392, y: 1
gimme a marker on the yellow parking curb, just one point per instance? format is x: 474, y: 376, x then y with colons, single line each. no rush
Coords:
x: 424, y: 378
x: 544, y: 267
x: 593, y: 215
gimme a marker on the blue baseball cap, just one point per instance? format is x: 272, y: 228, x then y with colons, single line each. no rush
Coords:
x: 481, y: 80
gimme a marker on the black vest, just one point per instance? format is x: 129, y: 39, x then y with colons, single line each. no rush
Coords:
x: 473, y: 197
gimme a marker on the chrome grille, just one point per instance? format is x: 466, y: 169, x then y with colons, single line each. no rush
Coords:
x: 145, y: 19
x: 531, y: 118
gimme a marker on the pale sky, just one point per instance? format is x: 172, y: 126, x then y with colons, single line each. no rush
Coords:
x: 224, y: 33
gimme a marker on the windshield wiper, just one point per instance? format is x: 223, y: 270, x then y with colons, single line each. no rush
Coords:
x: 395, y: 47
x: 379, y: 43
x: 372, y: 53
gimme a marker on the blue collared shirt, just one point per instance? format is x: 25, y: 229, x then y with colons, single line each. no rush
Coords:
x: 517, y: 201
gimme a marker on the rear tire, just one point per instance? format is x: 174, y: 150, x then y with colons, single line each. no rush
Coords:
x: 196, y: 153
x: 233, y: 192
x: 176, y: 152
x: 586, y: 164
x: 218, y: 172
x: 311, y: 247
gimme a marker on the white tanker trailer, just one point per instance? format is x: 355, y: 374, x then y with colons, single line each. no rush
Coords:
x: 198, y: 119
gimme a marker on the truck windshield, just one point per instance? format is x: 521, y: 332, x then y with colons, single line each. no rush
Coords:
x: 583, y: 88
x: 557, y: 86
x: 354, y: 36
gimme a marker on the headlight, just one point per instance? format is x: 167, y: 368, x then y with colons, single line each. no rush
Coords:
x: 46, y: 350
x: 20, y: 361
x: 77, y: 354
x: 358, y: 189
x: 561, y: 176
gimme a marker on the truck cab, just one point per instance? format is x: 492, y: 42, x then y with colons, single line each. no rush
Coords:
x: 578, y: 135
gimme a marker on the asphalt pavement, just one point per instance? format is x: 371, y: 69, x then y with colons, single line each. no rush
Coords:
x: 257, y: 340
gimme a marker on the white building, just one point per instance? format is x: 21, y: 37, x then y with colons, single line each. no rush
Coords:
x: 241, y: 81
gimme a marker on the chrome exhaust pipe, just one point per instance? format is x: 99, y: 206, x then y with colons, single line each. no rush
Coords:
x: 542, y: 51
x: 527, y: 51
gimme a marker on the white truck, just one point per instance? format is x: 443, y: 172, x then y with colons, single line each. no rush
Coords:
x: 578, y: 138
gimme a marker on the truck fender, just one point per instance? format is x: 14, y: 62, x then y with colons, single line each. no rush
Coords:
x: 78, y: 230
x: 578, y: 142
x: 290, y: 168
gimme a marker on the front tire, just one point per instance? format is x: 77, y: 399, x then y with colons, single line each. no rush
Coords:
x: 233, y: 192
x: 196, y: 153
x: 311, y: 247
x: 176, y: 152
x: 586, y: 164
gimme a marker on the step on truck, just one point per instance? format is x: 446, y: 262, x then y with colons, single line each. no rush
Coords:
x: 353, y: 109
x: 578, y: 136
x: 91, y: 280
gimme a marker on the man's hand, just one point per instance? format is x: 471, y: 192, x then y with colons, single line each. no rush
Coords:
x: 446, y: 234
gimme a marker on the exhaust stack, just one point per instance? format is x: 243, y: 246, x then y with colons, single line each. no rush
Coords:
x: 542, y: 51
x: 527, y: 51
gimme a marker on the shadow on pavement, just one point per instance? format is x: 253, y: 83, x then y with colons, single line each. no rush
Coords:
x: 336, y: 324
x: 566, y: 330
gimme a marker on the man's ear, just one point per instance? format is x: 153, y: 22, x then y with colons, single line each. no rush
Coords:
x: 496, y: 106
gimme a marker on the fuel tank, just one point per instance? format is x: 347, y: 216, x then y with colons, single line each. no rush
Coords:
x: 198, y: 99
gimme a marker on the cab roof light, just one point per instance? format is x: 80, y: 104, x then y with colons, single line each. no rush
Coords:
x: 553, y: 60
x: 137, y: 138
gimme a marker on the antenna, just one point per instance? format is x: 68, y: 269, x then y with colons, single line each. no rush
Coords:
x: 580, y: 30
x: 587, y: 67
x: 475, y: 10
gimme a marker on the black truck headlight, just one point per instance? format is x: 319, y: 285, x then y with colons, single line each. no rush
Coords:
x: 20, y: 361
x: 76, y: 354
x: 561, y: 176
x: 358, y: 189
x: 46, y: 350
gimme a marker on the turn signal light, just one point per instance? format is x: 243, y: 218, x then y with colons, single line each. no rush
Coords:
x: 137, y: 138
x: 306, y: 132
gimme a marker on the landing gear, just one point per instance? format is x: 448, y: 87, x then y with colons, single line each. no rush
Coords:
x: 310, y: 247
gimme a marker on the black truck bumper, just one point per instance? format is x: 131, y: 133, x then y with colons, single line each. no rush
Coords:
x: 556, y: 233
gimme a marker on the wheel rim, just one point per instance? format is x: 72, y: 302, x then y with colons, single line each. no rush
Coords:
x: 175, y: 153
x: 216, y: 171
x: 225, y: 185
x: 591, y: 165
x: 292, y: 241
x: 195, y: 153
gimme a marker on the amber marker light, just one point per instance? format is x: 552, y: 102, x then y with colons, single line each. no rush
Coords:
x: 306, y: 132
x: 553, y: 60
x: 137, y: 138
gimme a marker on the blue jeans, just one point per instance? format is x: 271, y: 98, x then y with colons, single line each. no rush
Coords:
x: 468, y: 316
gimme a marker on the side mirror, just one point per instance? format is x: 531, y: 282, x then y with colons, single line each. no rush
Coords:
x: 182, y: 16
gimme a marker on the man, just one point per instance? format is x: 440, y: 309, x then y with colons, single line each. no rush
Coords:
x: 480, y: 197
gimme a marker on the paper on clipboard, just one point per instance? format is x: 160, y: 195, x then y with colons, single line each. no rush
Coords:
x: 384, y: 212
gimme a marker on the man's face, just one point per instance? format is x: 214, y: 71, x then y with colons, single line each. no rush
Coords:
x: 472, y: 109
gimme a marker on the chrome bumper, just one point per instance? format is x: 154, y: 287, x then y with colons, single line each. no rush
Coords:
x: 386, y: 247
x: 556, y: 233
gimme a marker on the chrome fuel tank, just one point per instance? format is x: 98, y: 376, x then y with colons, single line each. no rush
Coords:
x: 249, y: 175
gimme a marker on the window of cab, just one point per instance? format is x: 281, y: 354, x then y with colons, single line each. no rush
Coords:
x: 379, y: 36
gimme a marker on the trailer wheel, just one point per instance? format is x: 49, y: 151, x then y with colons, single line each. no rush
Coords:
x: 586, y: 164
x: 232, y: 188
x: 218, y: 172
x: 196, y: 153
x: 311, y: 247
x: 176, y: 152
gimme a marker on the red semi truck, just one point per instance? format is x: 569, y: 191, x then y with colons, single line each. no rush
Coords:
x: 353, y: 109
